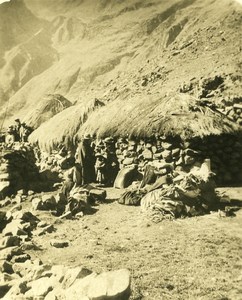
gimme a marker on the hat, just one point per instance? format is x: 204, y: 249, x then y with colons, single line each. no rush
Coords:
x: 108, y: 140
x: 86, y: 136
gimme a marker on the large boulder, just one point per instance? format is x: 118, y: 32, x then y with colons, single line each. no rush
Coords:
x: 114, y: 285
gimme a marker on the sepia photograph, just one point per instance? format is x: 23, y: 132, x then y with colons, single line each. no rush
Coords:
x: 121, y: 149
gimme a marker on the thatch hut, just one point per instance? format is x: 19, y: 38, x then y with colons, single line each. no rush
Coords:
x: 48, y: 107
x: 62, y: 128
x: 180, y: 115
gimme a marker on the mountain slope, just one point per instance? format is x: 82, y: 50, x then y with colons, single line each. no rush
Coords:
x: 128, y: 50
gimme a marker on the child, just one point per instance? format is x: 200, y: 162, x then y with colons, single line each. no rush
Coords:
x: 100, y: 168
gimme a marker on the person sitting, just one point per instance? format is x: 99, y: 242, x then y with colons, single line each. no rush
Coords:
x: 10, y: 136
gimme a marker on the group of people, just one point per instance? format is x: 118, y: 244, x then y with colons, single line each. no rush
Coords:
x: 18, y: 132
x: 100, y: 160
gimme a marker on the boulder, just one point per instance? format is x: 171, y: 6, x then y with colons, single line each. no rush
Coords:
x: 18, y: 287
x: 8, y: 253
x: 9, y: 241
x: 29, y: 270
x: 114, y: 285
x: 39, y: 288
x: 16, y: 227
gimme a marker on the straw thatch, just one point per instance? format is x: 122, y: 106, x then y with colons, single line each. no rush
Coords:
x: 62, y: 128
x: 51, y: 105
x: 181, y: 115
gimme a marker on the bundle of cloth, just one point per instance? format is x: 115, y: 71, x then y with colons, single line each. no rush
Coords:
x: 176, y: 194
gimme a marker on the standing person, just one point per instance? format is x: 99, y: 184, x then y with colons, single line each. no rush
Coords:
x: 24, y: 132
x: 85, y: 159
x: 100, y: 168
x: 17, y: 126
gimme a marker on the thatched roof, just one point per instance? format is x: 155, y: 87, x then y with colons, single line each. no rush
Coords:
x: 181, y: 115
x: 51, y: 105
x: 62, y: 128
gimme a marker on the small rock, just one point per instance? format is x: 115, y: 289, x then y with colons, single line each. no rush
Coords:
x: 79, y: 214
x: 6, y: 267
x: 58, y: 293
x: 37, y: 204
x: 42, y: 224
x: 44, y: 230
x: 59, y: 243
x: 21, y: 192
x: 6, y: 202
x: 20, y: 258
x: 73, y: 274
x: 30, y: 193
x: 28, y: 246
x: 18, y: 199
x: 49, y: 202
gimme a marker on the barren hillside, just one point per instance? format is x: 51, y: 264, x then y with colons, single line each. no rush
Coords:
x: 116, y: 49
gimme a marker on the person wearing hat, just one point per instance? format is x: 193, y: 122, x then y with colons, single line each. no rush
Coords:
x: 24, y: 132
x: 17, y: 126
x: 85, y: 159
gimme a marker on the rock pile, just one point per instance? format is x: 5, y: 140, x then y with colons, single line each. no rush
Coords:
x: 17, y: 170
x: 24, y: 278
x: 80, y: 200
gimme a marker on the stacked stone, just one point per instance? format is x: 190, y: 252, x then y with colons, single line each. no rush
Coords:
x: 17, y: 171
x: 234, y: 112
x: 225, y: 153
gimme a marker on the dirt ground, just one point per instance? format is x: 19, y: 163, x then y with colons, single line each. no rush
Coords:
x: 193, y: 258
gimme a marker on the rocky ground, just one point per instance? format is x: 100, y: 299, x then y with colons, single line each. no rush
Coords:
x: 193, y: 258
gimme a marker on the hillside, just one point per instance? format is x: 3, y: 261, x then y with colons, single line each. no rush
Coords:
x: 117, y: 50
